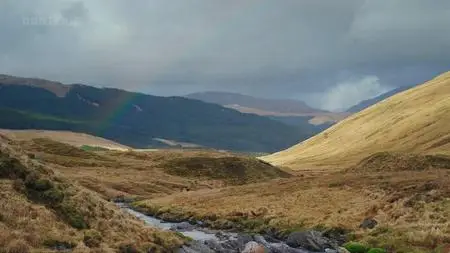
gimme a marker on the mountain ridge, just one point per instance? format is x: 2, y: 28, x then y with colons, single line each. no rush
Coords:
x: 135, y: 119
x: 371, y: 101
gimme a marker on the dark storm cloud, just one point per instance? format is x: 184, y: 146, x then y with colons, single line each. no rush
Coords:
x: 330, y: 53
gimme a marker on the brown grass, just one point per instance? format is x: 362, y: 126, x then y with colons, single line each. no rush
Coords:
x: 148, y: 174
x: 413, y: 121
x: 71, y: 138
x: 41, y: 209
x: 410, y: 204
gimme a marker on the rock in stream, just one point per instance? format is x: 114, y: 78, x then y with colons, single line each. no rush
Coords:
x: 209, y: 241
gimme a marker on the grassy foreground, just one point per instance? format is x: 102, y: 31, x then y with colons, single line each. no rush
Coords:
x: 408, y: 195
x: 410, y: 202
x: 43, y: 211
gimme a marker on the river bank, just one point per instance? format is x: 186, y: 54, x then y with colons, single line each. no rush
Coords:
x: 203, y: 239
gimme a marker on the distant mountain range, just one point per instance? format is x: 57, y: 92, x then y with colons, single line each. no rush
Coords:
x: 285, y: 110
x: 261, y: 106
x: 136, y: 119
x: 369, y: 102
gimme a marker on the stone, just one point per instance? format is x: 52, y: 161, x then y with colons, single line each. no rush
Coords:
x: 183, y: 226
x: 243, y: 239
x: 254, y: 247
x: 368, y: 223
x: 343, y: 250
x: 284, y: 248
x: 195, y: 247
x: 311, y: 240
x: 214, y: 245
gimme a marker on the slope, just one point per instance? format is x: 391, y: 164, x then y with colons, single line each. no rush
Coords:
x: 136, y: 119
x: 416, y: 121
x: 369, y: 102
x: 43, y: 211
x: 71, y: 138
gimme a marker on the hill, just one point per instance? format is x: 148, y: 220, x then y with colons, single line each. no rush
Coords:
x: 41, y: 210
x: 261, y: 106
x: 71, y: 138
x: 308, y: 120
x: 413, y: 121
x: 369, y: 102
x: 136, y: 119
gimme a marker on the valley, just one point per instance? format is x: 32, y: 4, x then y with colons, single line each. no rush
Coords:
x: 224, y: 126
x: 377, y: 189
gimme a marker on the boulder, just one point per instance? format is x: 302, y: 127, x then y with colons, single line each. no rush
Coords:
x: 311, y: 240
x: 215, y: 245
x: 368, y: 223
x: 254, y: 247
x: 342, y: 250
x: 195, y: 247
x: 284, y: 248
x: 183, y: 226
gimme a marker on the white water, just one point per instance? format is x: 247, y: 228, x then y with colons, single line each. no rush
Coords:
x: 196, y: 234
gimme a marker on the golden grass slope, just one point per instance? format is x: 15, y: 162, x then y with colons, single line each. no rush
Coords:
x: 71, y: 138
x: 417, y: 121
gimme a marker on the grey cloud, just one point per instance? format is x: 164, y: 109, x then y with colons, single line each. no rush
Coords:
x: 291, y: 48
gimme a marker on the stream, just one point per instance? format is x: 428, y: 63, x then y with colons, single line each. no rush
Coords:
x: 208, y: 241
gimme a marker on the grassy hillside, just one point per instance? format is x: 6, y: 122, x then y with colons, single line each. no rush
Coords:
x: 369, y: 102
x: 416, y: 120
x: 41, y: 210
x: 71, y: 138
x: 232, y: 170
x: 143, y: 174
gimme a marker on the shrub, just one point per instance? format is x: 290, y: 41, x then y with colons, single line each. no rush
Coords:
x: 73, y: 217
x: 92, y: 238
x: 11, y: 168
x: 39, y: 185
x: 58, y: 244
x: 17, y: 246
x: 354, y: 247
x: 376, y: 250
x: 53, y: 196
x: 128, y: 248
x: 18, y: 185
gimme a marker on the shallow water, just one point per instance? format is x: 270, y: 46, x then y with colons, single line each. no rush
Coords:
x: 206, y: 240
x: 196, y: 233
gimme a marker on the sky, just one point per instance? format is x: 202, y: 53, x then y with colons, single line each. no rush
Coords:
x: 331, y: 54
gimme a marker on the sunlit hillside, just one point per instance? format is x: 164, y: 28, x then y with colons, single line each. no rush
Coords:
x: 417, y: 121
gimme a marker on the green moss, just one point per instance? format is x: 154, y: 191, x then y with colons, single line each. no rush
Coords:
x: 92, y: 238
x: 376, y: 250
x: 72, y: 216
x: 354, y: 247
x: 183, y: 237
